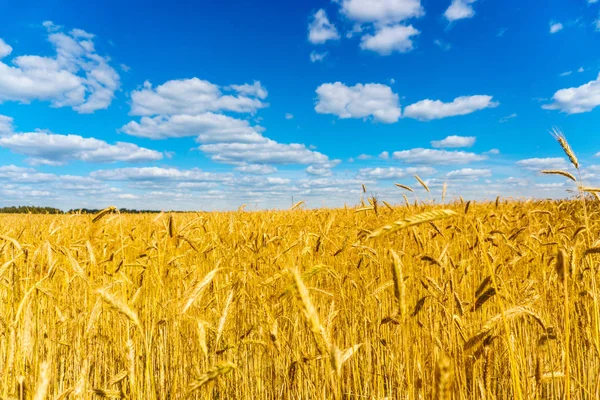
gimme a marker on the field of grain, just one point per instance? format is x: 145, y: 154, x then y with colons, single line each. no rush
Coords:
x: 498, y: 300
x: 490, y: 300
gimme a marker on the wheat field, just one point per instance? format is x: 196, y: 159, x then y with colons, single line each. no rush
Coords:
x: 464, y: 300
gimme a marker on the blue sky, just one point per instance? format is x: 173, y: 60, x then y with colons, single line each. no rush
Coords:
x: 210, y: 105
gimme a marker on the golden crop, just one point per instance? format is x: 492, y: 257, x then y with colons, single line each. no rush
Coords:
x: 492, y: 300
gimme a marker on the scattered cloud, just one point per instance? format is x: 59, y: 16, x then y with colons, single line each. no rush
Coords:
x: 364, y: 157
x: 52, y: 149
x: 507, y: 118
x: 492, y: 152
x: 580, y: 69
x: 442, y: 45
x: 460, y: 9
x: 358, y: 101
x: 468, y: 174
x: 256, y: 169
x: 454, y: 142
x: 5, y: 49
x: 125, y: 67
x: 317, y: 57
x: 390, y: 39
x: 195, y: 96
x: 266, y: 151
x: 289, y: 116
x: 538, y: 164
x: 384, y: 155
x: 382, y: 11
x: 426, y: 110
x: 566, y: 73
x: 6, y: 125
x: 436, y: 157
x: 393, y: 172
x: 157, y: 174
x: 576, y: 100
x: 555, y: 26
x: 75, y: 77
x: 320, y: 30
x: 323, y: 169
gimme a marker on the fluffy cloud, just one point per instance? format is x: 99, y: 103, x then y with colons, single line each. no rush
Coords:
x: 5, y: 49
x: 76, y: 77
x: 6, y: 125
x: 266, y: 151
x: 53, y: 149
x: 316, y: 57
x: 359, y: 101
x: 195, y: 96
x: 323, y: 169
x: 256, y: 169
x: 555, y: 27
x: 393, y: 172
x: 382, y: 11
x: 468, y: 174
x: 459, y: 9
x: 24, y: 175
x: 454, y: 142
x: 576, y: 100
x: 320, y: 29
x: 157, y: 174
x: 384, y: 155
x: 426, y: 110
x: 208, y: 127
x: 389, y: 39
x: 195, y: 107
x: 537, y: 164
x: 433, y: 157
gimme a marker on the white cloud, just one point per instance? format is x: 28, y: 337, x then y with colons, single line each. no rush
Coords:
x: 393, y: 172
x: 389, y: 39
x: 442, y: 45
x: 265, y: 152
x: 454, y: 141
x: 193, y: 107
x: 320, y: 30
x: 316, y: 57
x: 576, y: 100
x: 256, y: 169
x: 384, y: 155
x: 566, y: 73
x: 555, y: 27
x: 381, y: 11
x: 125, y: 67
x: 322, y: 169
x: 433, y: 157
x: 289, y: 116
x: 459, y: 9
x: 364, y: 157
x: 492, y: 152
x: 24, y: 175
x: 76, y: 77
x: 5, y: 49
x: 580, y: 69
x: 359, y: 101
x: 507, y: 118
x: 426, y: 110
x: 53, y: 149
x: 128, y: 196
x: 468, y: 174
x: 6, y: 125
x: 537, y: 164
x: 157, y: 174
x: 195, y: 96
x: 208, y: 127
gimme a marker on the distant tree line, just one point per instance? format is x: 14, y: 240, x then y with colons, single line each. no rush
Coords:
x: 52, y: 210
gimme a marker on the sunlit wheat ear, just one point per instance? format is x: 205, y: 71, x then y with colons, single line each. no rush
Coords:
x: 443, y: 379
x: 422, y: 183
x: 104, y: 212
x: 218, y: 370
x: 310, y: 313
x: 411, y: 221
x: 399, y: 287
x: 558, y: 135
x: 559, y: 172
x: 198, y: 289
x: 120, y: 306
x: 404, y: 187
